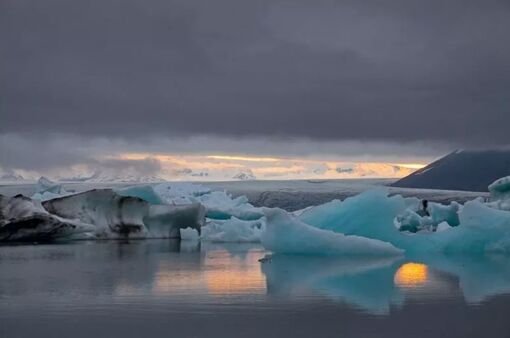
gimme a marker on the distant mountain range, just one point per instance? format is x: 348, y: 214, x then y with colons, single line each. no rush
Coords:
x: 467, y: 170
x: 111, y: 176
x: 12, y: 178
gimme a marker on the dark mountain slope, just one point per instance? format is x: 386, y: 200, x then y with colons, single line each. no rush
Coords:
x: 461, y: 170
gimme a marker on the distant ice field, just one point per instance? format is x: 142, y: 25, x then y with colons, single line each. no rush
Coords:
x: 289, y: 195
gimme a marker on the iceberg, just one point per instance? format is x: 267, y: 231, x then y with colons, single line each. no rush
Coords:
x: 110, y: 213
x: 473, y: 228
x: 116, y: 216
x: 287, y: 234
x: 369, y: 214
x: 23, y: 219
x: 500, y: 189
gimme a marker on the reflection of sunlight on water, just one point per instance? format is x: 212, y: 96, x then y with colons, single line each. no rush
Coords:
x: 219, y: 273
x: 411, y: 275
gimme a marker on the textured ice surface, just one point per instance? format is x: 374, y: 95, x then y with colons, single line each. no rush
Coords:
x: 116, y: 216
x: 112, y: 215
x: 234, y: 230
x: 23, y: 219
x: 166, y: 221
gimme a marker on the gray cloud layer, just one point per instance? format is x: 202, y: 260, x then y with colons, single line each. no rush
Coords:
x: 406, y: 70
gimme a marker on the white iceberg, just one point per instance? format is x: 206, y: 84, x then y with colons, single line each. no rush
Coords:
x: 116, y: 216
x: 23, y: 219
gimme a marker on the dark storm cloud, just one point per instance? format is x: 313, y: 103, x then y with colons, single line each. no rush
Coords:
x: 39, y: 153
x: 367, y: 70
x: 45, y: 154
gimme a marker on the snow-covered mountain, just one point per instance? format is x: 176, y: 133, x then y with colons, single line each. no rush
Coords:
x: 111, y: 176
x: 244, y: 175
x: 373, y: 170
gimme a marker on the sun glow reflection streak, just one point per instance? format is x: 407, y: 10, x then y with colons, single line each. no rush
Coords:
x: 411, y: 275
x: 219, y: 273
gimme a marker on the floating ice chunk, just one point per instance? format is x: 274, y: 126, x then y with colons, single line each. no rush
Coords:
x: 287, y: 234
x: 47, y: 189
x: 500, y: 194
x: 46, y: 185
x: 409, y: 221
x: 22, y: 219
x: 500, y: 188
x: 443, y: 226
x: 481, y: 228
x: 233, y: 230
x: 445, y: 213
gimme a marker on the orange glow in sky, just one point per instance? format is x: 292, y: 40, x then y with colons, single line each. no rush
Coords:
x: 225, y: 166
x: 244, y: 158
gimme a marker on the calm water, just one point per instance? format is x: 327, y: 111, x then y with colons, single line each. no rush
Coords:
x: 164, y: 288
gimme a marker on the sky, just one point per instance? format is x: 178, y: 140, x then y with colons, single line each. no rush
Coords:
x: 160, y: 86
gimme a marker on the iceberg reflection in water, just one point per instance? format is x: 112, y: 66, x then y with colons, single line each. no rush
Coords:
x: 376, y: 285
x: 158, y: 287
